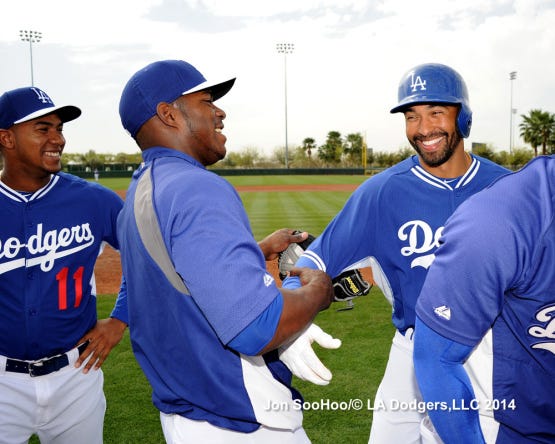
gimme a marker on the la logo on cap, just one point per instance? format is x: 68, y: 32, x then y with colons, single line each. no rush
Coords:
x: 42, y: 96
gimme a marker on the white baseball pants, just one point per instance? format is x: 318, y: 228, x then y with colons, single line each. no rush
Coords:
x: 63, y: 407
x: 180, y: 430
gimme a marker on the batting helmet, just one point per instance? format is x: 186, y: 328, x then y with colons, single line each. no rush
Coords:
x: 435, y: 83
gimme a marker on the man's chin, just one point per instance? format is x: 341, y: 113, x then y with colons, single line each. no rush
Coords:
x: 433, y: 159
x: 53, y: 169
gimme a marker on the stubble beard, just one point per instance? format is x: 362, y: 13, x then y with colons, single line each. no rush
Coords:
x: 439, y: 157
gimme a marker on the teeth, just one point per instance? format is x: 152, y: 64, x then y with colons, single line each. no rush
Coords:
x: 52, y: 154
x: 218, y: 130
x: 431, y: 142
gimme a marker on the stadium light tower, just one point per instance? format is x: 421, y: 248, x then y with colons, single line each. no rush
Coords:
x: 285, y: 48
x: 512, y: 76
x: 31, y: 37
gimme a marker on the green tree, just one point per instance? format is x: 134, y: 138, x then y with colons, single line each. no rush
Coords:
x: 247, y: 158
x: 331, y: 151
x: 92, y: 160
x: 403, y: 153
x: 551, y: 143
x: 309, y: 144
x: 279, y: 155
x: 537, y: 129
x: 353, y: 148
x: 520, y: 157
x: 486, y: 151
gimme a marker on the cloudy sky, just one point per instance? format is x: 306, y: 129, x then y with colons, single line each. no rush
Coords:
x: 342, y: 76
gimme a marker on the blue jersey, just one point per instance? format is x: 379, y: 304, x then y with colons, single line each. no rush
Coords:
x: 49, y: 243
x: 392, y: 223
x: 496, y: 270
x: 196, y: 279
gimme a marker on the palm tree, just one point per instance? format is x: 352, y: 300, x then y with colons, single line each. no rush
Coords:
x: 308, y: 145
x: 537, y: 129
x: 330, y: 152
x: 354, y: 144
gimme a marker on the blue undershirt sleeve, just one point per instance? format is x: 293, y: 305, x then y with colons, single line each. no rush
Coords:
x: 120, y: 307
x: 442, y: 379
x: 259, y: 332
x: 291, y: 282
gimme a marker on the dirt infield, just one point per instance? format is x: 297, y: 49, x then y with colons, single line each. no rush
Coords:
x: 108, y: 267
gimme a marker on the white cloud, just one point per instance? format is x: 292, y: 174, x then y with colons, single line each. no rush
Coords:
x: 342, y: 75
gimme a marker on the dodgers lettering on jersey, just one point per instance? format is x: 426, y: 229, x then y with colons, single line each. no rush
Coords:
x: 393, y: 223
x: 544, y: 330
x: 43, y: 248
x: 422, y: 240
x: 504, y: 251
x: 49, y: 244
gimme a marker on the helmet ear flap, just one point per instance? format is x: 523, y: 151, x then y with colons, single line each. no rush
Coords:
x: 464, y: 120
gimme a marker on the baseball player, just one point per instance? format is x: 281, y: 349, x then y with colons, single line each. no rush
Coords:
x: 206, y: 318
x: 393, y: 222
x: 53, y: 228
x: 492, y: 289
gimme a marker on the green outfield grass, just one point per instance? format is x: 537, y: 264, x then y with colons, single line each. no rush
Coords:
x: 332, y: 415
x: 121, y: 183
x: 309, y: 211
x: 294, y: 180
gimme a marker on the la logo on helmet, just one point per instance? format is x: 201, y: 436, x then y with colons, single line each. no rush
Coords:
x: 418, y: 82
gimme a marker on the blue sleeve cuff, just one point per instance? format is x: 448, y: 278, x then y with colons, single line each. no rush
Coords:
x: 291, y: 283
x: 260, y: 331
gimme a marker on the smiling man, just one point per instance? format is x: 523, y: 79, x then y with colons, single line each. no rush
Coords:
x: 394, y: 220
x: 53, y: 227
x: 206, y: 318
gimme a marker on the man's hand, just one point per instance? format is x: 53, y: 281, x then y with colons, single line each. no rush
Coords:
x: 299, y: 357
x: 318, y: 281
x: 301, y: 305
x: 278, y: 241
x: 104, y: 336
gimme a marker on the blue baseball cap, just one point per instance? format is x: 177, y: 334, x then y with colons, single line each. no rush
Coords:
x: 162, y: 81
x: 24, y: 104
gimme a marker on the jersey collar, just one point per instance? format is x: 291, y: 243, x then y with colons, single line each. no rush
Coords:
x: 25, y: 197
x: 459, y: 182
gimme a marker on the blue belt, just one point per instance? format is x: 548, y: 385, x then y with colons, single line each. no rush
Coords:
x: 42, y: 367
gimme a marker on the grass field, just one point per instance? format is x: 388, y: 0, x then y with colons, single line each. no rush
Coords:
x: 366, y: 332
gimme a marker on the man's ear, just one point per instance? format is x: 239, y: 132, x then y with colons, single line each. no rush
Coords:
x: 6, y: 139
x: 167, y: 113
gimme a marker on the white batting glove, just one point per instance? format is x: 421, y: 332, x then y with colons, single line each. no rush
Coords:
x: 299, y: 357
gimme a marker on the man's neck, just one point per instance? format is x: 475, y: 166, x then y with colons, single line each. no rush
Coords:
x: 24, y: 183
x: 456, y: 166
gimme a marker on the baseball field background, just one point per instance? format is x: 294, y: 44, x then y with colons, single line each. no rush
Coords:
x: 339, y: 412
